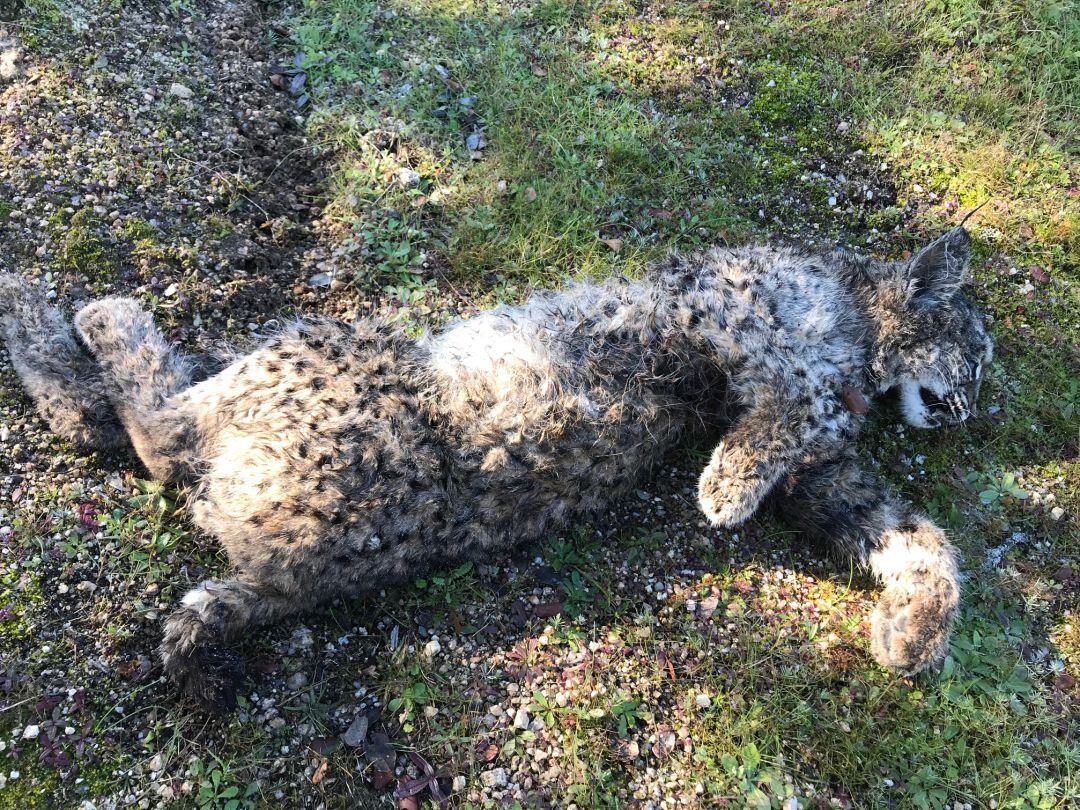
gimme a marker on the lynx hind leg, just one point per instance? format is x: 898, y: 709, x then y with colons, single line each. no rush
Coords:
x: 55, y: 369
x: 132, y: 352
x: 194, y: 649
x: 912, y: 623
x: 142, y: 372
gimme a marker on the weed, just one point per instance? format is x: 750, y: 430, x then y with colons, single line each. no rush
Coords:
x: 998, y: 489
x: 626, y: 713
x: 217, y: 787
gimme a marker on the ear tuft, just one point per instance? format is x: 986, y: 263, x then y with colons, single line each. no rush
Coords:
x: 938, y: 271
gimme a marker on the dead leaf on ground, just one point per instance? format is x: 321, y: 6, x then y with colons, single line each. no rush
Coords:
x: 1039, y: 274
x: 1064, y: 682
x: 615, y: 244
x: 381, y: 780
x: 320, y: 772
x: 547, y: 610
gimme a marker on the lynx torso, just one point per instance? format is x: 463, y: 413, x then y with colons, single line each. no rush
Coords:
x: 355, y: 455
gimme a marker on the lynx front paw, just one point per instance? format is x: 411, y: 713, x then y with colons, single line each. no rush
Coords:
x: 729, y: 494
x: 910, y: 628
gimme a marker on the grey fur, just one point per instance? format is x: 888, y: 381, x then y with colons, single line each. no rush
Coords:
x: 334, y: 459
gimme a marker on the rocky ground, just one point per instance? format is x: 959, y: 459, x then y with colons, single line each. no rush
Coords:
x: 649, y: 660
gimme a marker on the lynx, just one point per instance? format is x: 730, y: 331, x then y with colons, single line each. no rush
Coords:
x: 337, y: 458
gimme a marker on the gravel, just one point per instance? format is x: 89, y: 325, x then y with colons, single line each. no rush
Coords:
x: 198, y: 189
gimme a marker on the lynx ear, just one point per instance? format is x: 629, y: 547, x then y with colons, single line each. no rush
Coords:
x: 939, y: 269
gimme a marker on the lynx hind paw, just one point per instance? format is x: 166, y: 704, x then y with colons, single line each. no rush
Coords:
x: 910, y: 629
x: 16, y: 295
x: 207, y: 673
x: 11, y: 289
x: 113, y: 324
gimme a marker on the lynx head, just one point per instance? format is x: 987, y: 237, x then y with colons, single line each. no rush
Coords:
x: 933, y: 347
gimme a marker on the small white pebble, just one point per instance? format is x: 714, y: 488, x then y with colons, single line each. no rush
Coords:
x: 521, y: 719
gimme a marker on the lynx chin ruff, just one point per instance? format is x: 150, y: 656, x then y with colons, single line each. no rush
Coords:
x: 336, y: 458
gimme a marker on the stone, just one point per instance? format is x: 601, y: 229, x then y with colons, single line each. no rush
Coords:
x: 407, y: 178
x: 357, y: 731
x: 521, y: 719
x: 180, y: 90
x: 495, y: 778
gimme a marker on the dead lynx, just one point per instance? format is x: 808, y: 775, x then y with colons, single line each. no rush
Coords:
x: 336, y: 458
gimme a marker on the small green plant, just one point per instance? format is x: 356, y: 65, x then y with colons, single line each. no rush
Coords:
x: 998, y: 489
x: 1069, y: 403
x: 392, y: 249
x: 942, y: 507
x: 449, y: 590
x: 577, y: 596
x: 413, y: 697
x: 148, y: 532
x: 749, y: 777
x: 218, y: 790
x: 625, y: 711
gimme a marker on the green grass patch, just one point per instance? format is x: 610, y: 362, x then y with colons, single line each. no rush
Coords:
x: 498, y: 146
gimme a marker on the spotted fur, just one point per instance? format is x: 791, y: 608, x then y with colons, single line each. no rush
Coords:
x: 338, y: 458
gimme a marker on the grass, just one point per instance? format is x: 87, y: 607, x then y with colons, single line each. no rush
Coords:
x: 477, y: 150
x: 555, y: 139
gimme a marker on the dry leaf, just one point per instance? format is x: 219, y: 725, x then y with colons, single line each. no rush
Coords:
x: 614, y: 244
x: 547, y: 610
x: 854, y: 400
x: 1039, y: 274
x: 660, y: 213
x: 320, y: 772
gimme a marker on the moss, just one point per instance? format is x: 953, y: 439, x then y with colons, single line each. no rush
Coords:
x: 42, y: 26
x: 30, y: 790
x: 83, y: 251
